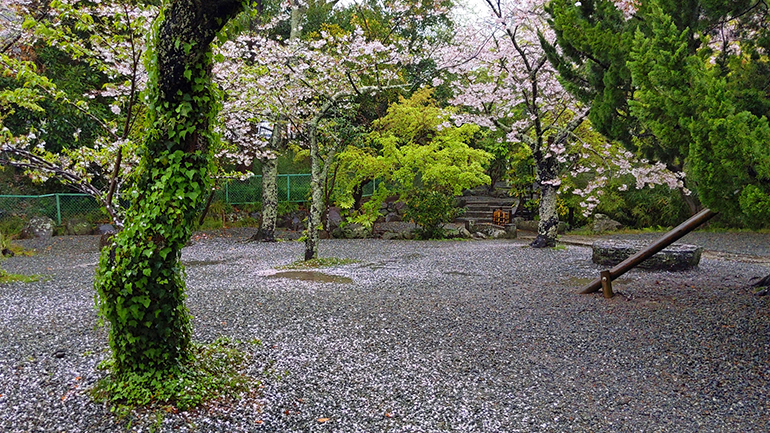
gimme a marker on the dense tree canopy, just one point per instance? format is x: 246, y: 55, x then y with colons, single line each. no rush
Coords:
x: 682, y: 82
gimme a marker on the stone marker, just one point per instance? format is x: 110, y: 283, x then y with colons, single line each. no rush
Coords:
x: 675, y: 257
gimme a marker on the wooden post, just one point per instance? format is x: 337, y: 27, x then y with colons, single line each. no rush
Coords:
x: 667, y: 239
x: 607, y: 284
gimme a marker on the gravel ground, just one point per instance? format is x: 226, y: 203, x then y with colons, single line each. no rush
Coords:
x: 477, y: 336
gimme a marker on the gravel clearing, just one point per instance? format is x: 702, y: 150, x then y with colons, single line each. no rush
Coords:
x: 474, y: 336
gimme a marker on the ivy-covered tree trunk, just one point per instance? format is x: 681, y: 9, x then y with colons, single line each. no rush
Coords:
x: 139, y: 281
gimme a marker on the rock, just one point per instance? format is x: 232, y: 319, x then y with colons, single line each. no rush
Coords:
x: 510, y: 231
x: 496, y: 234
x: 400, y: 207
x: 323, y: 234
x: 531, y: 226
x: 355, y: 231
x: 78, y: 227
x: 38, y: 227
x: 333, y: 218
x: 675, y: 257
x: 105, y: 228
x: 603, y: 223
x: 391, y: 235
x: 479, y: 235
x: 338, y: 233
x: 464, y: 233
x: 470, y: 225
x: 528, y: 225
x: 392, y: 217
x: 296, y: 224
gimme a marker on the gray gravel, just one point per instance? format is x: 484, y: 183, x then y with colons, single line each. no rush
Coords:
x: 476, y: 336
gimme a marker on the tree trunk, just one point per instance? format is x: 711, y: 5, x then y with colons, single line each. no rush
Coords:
x: 266, y: 231
x: 693, y: 204
x: 316, y: 195
x: 547, y: 173
x: 139, y: 281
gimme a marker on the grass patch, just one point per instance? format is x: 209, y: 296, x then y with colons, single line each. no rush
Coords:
x: 324, y: 262
x: 6, y: 278
x: 215, y: 372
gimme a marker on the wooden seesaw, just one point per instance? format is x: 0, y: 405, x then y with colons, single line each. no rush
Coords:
x: 605, y: 277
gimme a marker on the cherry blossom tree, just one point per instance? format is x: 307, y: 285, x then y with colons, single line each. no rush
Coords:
x: 113, y: 46
x: 507, y: 84
x: 305, y: 82
x: 500, y: 73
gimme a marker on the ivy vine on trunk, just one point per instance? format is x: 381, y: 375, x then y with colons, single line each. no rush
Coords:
x: 139, y: 280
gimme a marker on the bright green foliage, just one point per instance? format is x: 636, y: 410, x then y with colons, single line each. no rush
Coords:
x: 413, y: 147
x: 215, y: 370
x: 430, y: 210
x: 139, y: 280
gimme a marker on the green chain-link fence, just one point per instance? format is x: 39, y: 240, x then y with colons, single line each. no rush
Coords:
x: 61, y: 207
x: 58, y: 207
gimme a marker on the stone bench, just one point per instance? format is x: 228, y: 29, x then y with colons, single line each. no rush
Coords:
x: 675, y: 257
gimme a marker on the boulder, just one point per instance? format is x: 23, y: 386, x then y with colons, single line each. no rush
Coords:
x: 296, y: 223
x: 531, y: 225
x: 333, y: 218
x: 400, y: 207
x: 528, y: 225
x: 392, y: 217
x: 105, y: 228
x: 38, y: 227
x: 464, y: 233
x: 510, y: 231
x: 355, y: 231
x: 338, y: 233
x: 603, y: 223
x: 78, y: 227
x: 391, y: 235
x: 675, y: 257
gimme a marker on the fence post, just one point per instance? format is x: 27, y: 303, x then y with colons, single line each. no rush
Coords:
x: 227, y: 191
x: 58, y: 209
x: 288, y: 187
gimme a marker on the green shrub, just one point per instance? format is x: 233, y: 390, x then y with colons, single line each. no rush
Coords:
x: 430, y: 210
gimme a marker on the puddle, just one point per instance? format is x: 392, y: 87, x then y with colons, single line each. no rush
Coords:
x: 311, y: 276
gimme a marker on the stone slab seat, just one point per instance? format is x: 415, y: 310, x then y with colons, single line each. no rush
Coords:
x: 675, y: 257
